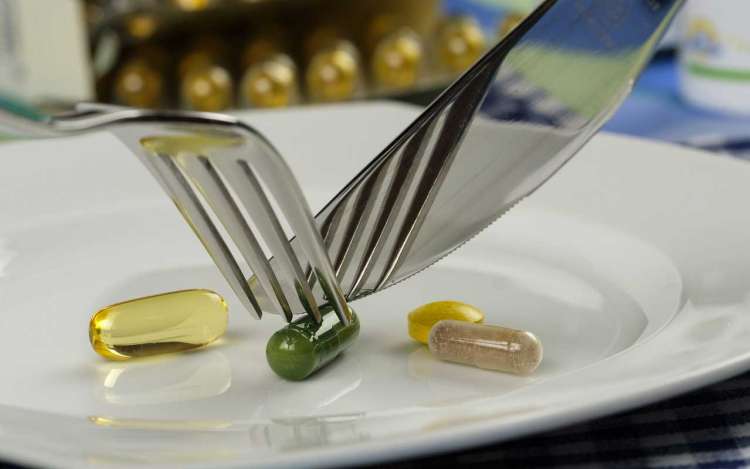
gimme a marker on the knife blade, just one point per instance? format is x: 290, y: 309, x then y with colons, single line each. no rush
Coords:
x: 549, y: 85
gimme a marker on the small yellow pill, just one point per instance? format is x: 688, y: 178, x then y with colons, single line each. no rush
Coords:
x: 209, y: 89
x: 271, y: 83
x: 191, y: 5
x: 397, y: 60
x: 333, y: 74
x: 139, y: 84
x: 170, y: 322
x: 489, y: 347
x: 141, y: 26
x: 423, y: 318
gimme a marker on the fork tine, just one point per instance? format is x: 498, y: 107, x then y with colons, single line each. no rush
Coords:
x: 249, y: 191
x: 209, y: 182
x: 459, y: 115
x: 188, y: 204
x: 293, y: 204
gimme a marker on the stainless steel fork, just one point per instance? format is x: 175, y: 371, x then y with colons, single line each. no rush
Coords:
x: 217, y: 168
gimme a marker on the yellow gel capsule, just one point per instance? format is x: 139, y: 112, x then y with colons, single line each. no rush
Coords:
x: 398, y: 59
x: 271, y: 83
x: 191, y: 5
x: 460, y: 43
x: 208, y: 89
x: 139, y: 84
x: 153, y: 325
x: 141, y: 26
x: 423, y: 318
x: 489, y: 347
x: 333, y: 74
x: 509, y: 23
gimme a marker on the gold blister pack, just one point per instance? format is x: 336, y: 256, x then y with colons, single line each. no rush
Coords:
x: 214, y: 55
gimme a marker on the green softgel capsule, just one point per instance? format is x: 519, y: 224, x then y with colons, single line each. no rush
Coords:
x: 304, y: 346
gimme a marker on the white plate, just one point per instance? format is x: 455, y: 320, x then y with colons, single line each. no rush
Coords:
x: 632, y: 266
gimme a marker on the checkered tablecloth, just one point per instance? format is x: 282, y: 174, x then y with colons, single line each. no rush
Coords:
x: 708, y: 428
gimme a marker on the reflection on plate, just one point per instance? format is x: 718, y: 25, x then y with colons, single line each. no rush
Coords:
x: 172, y: 378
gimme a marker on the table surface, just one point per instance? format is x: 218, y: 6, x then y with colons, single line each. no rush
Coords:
x: 708, y: 428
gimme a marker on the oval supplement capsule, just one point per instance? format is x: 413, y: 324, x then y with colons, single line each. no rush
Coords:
x: 423, y: 318
x: 303, y: 347
x: 397, y: 60
x: 333, y: 74
x: 461, y: 42
x: 153, y: 325
x: 490, y: 347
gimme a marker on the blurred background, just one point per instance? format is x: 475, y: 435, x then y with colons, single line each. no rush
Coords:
x: 217, y: 55
x: 223, y: 55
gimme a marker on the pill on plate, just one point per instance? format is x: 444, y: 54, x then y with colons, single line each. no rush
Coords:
x: 304, y: 346
x: 423, y: 318
x: 484, y: 346
x: 153, y: 325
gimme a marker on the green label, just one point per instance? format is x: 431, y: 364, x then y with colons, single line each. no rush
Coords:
x: 718, y: 73
x: 17, y: 109
x: 20, y: 109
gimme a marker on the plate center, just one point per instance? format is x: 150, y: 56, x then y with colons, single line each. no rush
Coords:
x: 571, y: 283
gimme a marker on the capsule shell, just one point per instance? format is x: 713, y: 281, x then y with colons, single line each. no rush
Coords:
x: 153, y: 325
x: 139, y: 83
x: 192, y: 5
x: 333, y: 74
x: 304, y: 346
x: 208, y: 89
x: 397, y: 59
x: 509, y: 23
x: 490, y: 347
x: 271, y: 83
x: 461, y: 42
x: 421, y: 320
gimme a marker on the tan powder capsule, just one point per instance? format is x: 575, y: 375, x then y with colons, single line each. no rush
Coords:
x: 490, y: 347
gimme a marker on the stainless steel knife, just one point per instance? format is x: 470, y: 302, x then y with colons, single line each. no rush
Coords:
x: 549, y: 85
